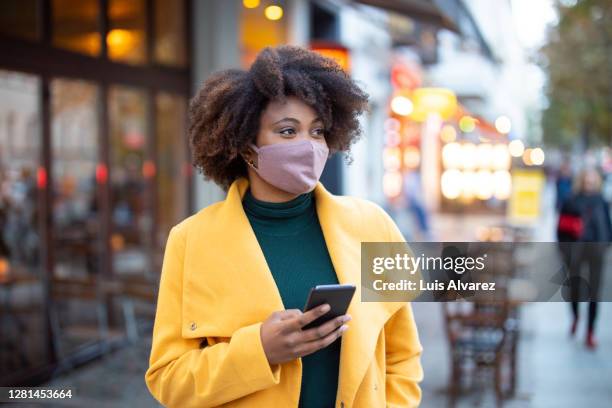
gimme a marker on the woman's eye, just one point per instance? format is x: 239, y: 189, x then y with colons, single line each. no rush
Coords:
x: 287, y: 131
x: 319, y: 132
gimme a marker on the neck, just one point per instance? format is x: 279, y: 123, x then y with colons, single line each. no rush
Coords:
x: 264, y: 191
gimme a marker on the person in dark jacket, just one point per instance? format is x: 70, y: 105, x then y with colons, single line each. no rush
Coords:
x: 585, y: 221
x: 563, y: 184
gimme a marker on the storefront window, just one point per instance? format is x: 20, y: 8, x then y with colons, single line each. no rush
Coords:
x: 75, y: 152
x: 172, y: 176
x: 75, y: 26
x: 170, y: 33
x: 126, y: 39
x: 22, y: 346
x: 78, y: 151
x: 19, y: 163
x: 257, y: 32
x: 131, y: 220
x: 19, y: 18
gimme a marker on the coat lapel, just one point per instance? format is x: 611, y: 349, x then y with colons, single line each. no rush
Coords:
x: 225, y: 267
x: 343, y: 230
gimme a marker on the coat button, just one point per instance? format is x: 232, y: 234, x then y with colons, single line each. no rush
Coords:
x: 192, y: 326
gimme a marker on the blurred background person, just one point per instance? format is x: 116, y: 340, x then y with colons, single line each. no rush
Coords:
x: 415, y: 204
x: 585, y: 219
x: 563, y: 184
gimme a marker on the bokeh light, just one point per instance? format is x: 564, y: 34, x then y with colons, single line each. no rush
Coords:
x: 468, y: 156
x: 537, y: 156
x: 451, y: 155
x: 500, y: 157
x: 485, y: 184
x: 527, y: 157
x: 467, y: 124
x: 452, y: 183
x: 392, y: 125
x: 392, y: 183
x: 484, y: 155
x: 503, y: 124
x: 401, y: 105
x: 392, y: 158
x: 273, y: 12
x: 448, y: 134
x: 469, y: 185
x: 393, y: 139
x: 516, y: 148
x: 250, y: 3
x: 503, y: 184
x: 412, y: 157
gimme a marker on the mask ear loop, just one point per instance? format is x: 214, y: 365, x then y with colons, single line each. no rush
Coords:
x: 250, y: 162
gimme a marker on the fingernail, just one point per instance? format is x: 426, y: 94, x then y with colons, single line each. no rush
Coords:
x: 343, y: 328
x: 347, y: 318
x: 325, y: 308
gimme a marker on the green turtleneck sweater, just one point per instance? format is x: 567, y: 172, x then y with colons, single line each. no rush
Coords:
x: 293, y: 245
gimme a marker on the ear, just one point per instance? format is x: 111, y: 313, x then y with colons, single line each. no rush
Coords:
x: 249, y: 156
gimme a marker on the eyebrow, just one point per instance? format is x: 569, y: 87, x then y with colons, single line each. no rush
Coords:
x: 294, y: 120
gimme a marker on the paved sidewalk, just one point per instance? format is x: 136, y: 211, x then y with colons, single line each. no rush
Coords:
x: 554, y: 370
x: 115, y: 381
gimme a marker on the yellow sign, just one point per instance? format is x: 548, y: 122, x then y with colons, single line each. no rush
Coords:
x: 428, y: 101
x: 524, y: 204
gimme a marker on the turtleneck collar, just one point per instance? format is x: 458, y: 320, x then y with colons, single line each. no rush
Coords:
x: 285, y: 218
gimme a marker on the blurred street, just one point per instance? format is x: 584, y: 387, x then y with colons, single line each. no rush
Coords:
x: 487, y: 121
x: 552, y: 365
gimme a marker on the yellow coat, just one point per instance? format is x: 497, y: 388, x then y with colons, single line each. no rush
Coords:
x: 216, y: 289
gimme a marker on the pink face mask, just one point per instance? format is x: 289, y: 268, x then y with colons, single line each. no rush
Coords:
x: 294, y: 167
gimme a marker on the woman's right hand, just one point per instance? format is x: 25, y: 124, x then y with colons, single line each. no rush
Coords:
x: 284, y: 340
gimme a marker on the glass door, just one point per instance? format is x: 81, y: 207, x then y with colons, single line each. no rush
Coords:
x: 23, y: 335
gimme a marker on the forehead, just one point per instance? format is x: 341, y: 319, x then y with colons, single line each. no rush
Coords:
x: 291, y: 107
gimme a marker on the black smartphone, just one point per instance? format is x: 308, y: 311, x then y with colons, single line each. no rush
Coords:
x: 337, y: 296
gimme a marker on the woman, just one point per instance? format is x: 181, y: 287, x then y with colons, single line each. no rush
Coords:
x: 228, y: 328
x: 585, y: 221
